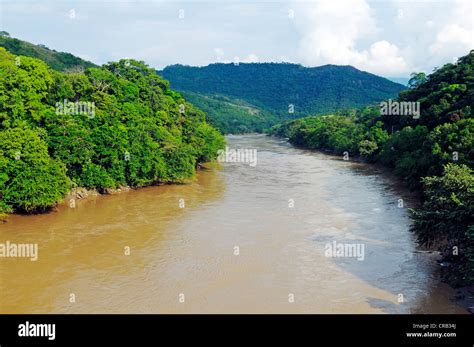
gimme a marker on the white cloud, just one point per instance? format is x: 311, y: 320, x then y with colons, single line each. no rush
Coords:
x: 433, y: 33
x: 392, y: 38
x: 251, y: 58
x: 219, y: 52
x: 331, y: 31
x: 384, y: 58
x: 451, y: 38
x: 455, y: 36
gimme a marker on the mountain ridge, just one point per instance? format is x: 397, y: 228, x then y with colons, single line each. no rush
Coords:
x: 286, y: 90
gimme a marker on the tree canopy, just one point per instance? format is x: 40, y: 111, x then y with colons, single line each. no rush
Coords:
x: 137, y: 132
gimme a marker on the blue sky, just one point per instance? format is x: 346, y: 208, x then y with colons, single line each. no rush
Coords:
x: 389, y: 37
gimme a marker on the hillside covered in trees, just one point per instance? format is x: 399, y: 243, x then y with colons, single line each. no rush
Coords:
x: 432, y: 151
x: 231, y: 115
x: 106, y: 127
x: 60, y: 61
x: 280, y: 90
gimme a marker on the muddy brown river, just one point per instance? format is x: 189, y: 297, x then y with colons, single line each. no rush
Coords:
x: 240, y: 239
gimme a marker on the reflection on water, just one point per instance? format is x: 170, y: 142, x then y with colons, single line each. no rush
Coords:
x: 236, y: 246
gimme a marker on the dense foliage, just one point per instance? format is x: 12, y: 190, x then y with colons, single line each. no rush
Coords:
x: 232, y: 115
x: 447, y: 217
x: 136, y: 131
x: 29, y: 178
x: 57, y: 60
x: 273, y: 87
x: 433, y: 152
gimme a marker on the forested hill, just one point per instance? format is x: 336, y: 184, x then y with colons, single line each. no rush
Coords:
x: 57, y: 60
x: 275, y: 86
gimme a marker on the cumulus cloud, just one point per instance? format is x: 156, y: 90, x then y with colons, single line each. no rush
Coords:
x: 332, y: 30
x: 451, y: 38
x: 384, y: 58
x: 456, y: 36
x: 392, y: 40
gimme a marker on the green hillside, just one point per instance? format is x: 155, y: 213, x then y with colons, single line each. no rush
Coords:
x: 282, y: 89
x: 232, y: 115
x: 57, y: 60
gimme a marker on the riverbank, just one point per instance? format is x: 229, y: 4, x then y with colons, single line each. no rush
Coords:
x: 82, y: 193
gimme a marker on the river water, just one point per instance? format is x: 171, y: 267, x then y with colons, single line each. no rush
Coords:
x: 240, y: 239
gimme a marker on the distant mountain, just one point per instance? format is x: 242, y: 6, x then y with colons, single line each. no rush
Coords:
x: 280, y: 88
x: 57, y: 60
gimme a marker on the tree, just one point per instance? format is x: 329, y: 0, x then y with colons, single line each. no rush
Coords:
x: 416, y: 79
x: 367, y: 148
x: 446, y: 218
x: 30, y: 180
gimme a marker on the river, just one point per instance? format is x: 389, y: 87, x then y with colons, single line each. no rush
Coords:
x: 240, y: 239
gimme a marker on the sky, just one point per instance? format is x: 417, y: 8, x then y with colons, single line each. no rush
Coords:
x: 391, y: 38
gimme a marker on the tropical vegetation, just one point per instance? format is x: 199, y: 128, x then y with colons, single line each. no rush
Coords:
x: 134, y: 131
